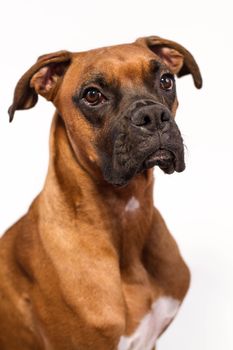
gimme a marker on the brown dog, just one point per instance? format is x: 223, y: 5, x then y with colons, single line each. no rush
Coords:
x: 92, y: 264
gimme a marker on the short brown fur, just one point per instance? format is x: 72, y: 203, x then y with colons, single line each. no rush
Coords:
x: 78, y: 271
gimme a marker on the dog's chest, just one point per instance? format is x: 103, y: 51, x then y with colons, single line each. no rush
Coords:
x: 151, y: 325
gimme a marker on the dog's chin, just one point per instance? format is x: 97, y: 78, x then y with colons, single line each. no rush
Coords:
x: 119, y: 178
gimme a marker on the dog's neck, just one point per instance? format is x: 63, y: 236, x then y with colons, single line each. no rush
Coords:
x: 118, y: 209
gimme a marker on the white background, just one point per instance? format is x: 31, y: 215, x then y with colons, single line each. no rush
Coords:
x: 197, y: 204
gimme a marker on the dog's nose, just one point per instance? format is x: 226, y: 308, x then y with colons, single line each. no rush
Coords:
x: 151, y: 117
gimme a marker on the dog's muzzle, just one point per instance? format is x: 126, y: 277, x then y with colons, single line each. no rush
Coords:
x: 162, y: 140
x: 144, y: 135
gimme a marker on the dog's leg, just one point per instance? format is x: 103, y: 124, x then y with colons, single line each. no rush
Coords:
x: 169, y: 272
x: 163, y: 260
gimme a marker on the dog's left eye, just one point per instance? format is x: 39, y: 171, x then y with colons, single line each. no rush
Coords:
x: 167, y: 81
x: 93, y: 96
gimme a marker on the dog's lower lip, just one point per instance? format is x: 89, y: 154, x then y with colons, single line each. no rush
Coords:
x: 161, y: 158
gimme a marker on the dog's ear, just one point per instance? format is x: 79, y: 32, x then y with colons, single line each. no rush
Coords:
x: 43, y: 78
x: 176, y: 57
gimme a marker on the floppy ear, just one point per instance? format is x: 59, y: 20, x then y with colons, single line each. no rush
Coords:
x: 176, y: 57
x: 43, y: 78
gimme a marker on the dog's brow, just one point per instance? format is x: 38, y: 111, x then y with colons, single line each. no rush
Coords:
x: 154, y: 66
x: 97, y: 78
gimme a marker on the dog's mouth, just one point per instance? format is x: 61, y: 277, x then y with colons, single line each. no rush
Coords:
x: 165, y: 160
x: 124, y: 170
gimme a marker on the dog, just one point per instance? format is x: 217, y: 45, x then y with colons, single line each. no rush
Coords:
x: 92, y: 264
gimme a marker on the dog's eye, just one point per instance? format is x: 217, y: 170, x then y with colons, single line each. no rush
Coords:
x: 167, y: 81
x: 93, y: 96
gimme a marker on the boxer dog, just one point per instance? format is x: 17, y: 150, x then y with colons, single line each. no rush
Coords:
x: 92, y: 265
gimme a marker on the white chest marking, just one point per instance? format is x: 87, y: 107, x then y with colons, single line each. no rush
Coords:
x: 151, y: 326
x: 132, y: 204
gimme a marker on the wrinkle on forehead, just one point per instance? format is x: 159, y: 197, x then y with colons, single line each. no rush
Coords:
x: 113, y: 69
x: 124, y: 61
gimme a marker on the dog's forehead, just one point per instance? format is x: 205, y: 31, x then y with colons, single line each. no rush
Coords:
x: 128, y: 60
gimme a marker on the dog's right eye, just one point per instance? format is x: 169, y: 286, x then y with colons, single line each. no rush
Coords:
x: 93, y: 96
x: 167, y: 81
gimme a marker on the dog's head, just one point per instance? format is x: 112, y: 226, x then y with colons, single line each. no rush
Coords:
x: 118, y: 103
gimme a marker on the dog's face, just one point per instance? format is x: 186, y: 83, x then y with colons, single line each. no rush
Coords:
x: 118, y: 104
x: 128, y: 97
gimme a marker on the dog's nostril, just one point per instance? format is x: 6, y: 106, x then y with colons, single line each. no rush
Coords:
x: 141, y: 119
x: 146, y: 119
x: 165, y: 116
